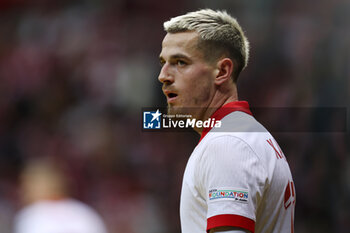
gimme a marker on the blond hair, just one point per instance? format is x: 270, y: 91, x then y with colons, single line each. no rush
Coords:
x: 219, y: 33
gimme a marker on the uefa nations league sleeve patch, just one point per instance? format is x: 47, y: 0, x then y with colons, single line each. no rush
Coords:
x: 232, y: 194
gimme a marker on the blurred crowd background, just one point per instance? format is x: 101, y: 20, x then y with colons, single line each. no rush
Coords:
x: 74, y: 76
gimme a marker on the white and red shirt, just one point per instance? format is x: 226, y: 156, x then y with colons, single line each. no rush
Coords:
x: 237, y: 176
x: 58, y: 216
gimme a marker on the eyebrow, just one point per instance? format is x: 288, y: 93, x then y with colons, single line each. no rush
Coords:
x: 176, y: 56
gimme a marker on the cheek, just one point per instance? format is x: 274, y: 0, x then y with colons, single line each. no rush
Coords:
x: 202, y: 92
x: 197, y: 76
x: 199, y: 86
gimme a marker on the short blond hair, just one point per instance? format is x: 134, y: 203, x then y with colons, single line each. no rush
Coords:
x: 220, y: 34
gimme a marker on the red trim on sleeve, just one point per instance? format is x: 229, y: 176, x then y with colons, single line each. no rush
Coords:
x: 230, y: 220
x: 226, y: 109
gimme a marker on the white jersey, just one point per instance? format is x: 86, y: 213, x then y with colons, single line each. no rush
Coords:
x: 237, y: 176
x: 58, y: 216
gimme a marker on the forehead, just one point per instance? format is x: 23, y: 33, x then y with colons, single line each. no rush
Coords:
x: 180, y: 42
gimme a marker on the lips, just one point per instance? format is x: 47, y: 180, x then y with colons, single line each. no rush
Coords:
x: 171, y: 95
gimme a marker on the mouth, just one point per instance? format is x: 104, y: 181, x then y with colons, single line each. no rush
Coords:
x: 171, y: 96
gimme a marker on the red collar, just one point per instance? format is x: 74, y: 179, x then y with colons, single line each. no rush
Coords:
x: 226, y: 109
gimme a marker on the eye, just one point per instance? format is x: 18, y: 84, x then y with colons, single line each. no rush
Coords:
x: 161, y: 63
x: 181, y: 63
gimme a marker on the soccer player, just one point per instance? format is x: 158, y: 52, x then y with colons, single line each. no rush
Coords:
x: 237, y: 178
x: 49, y: 209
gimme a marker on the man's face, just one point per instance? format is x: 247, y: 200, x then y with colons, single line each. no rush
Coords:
x: 188, y: 80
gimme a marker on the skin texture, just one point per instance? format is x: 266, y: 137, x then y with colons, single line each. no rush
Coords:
x: 201, y: 85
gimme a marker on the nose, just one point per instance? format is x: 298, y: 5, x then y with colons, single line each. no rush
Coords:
x: 165, y: 76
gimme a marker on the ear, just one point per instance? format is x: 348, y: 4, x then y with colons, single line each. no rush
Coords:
x: 225, y: 68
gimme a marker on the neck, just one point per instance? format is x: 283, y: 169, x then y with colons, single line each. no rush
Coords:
x: 219, y: 99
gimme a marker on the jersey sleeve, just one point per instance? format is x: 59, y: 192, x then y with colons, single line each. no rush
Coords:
x: 233, y: 181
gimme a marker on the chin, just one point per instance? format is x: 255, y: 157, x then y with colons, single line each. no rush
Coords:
x: 174, y: 109
x: 171, y: 109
